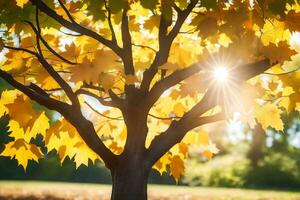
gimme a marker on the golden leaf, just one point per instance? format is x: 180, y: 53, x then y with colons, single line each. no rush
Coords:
x: 21, y: 3
x: 176, y: 167
x: 22, y: 152
x: 268, y: 115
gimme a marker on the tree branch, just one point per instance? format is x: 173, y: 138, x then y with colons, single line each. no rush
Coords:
x: 61, y: 82
x: 75, y: 26
x: 100, y: 99
x: 174, y: 134
x: 35, y: 94
x: 146, y: 47
x: 66, y: 11
x: 22, y: 49
x: 192, y: 119
x: 161, y: 86
x: 165, y: 42
x: 111, y: 27
x: 84, y: 127
x: 96, y: 111
x: 37, y: 32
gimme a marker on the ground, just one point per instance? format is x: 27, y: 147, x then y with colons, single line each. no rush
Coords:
x: 11, y: 190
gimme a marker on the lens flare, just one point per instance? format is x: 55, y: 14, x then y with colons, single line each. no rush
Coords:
x: 221, y: 74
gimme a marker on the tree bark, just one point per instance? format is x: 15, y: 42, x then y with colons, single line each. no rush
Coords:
x: 129, y: 182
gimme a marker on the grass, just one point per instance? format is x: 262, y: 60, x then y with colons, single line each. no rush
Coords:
x: 17, y: 190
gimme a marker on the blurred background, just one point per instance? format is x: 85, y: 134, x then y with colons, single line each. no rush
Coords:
x: 247, y: 159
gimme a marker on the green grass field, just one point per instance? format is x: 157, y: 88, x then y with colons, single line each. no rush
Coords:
x: 11, y: 190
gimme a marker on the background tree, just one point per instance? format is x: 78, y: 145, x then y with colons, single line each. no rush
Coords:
x: 132, y: 80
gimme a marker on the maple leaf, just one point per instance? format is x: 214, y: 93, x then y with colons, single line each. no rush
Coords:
x: 292, y: 20
x: 278, y: 53
x: 268, y: 115
x: 176, y: 167
x: 16, y: 63
x: 92, y: 71
x: 162, y: 163
x: 21, y: 110
x: 83, y: 154
x: 107, y: 81
x: 22, y: 152
x: 273, y: 32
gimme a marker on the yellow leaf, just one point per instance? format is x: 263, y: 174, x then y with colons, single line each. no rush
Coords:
x: 198, y: 138
x: 114, y: 147
x: 224, y: 40
x: 107, y: 81
x: 21, y: 3
x: 21, y: 110
x: 179, y: 109
x: 274, y: 32
x: 268, y: 115
x: 183, y: 149
x: 176, y: 167
x: 7, y: 97
x: 83, y: 154
x: 161, y: 164
x: 22, y: 152
x: 15, y: 64
x: 41, y: 124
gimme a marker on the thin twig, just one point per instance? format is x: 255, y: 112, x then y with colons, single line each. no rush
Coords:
x: 144, y: 46
x: 99, y: 113
x: 282, y: 74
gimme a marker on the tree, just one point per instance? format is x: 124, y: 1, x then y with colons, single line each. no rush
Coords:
x: 160, y: 69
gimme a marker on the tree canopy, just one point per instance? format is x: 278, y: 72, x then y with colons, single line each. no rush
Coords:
x: 129, y: 74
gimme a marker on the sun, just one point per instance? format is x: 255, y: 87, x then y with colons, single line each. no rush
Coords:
x: 221, y: 74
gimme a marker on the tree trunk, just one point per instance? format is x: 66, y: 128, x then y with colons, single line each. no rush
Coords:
x: 256, y: 149
x: 129, y: 183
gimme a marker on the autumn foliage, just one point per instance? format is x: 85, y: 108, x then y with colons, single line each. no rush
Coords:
x: 134, y: 79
